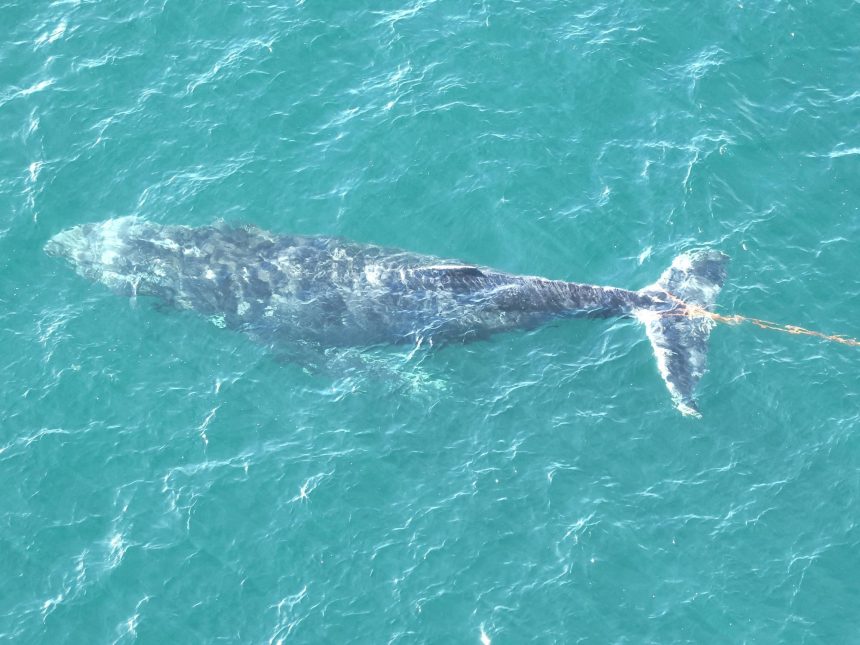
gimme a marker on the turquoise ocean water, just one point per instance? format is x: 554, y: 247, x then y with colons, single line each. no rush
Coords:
x: 166, y: 481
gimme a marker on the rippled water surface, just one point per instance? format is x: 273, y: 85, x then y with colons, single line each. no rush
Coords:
x: 163, y: 480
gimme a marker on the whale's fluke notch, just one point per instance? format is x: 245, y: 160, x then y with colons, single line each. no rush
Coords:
x: 679, y: 339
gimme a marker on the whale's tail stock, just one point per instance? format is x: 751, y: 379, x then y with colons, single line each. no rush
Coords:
x: 679, y: 332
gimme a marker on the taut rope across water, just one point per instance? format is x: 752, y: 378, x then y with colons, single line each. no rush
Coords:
x: 694, y: 311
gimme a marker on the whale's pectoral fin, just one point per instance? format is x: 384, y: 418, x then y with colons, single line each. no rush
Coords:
x: 679, y: 335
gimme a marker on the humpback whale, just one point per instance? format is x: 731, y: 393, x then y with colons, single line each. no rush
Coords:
x: 333, y: 292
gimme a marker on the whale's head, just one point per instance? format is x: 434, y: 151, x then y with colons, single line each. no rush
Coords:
x: 116, y: 252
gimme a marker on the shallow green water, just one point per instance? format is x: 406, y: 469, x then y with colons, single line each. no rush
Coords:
x: 167, y: 481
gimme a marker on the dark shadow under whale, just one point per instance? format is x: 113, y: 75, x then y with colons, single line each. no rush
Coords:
x: 337, y: 293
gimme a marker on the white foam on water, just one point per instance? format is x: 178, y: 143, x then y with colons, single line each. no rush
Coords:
x: 48, y: 38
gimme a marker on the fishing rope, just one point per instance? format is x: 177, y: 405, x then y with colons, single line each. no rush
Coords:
x: 695, y: 311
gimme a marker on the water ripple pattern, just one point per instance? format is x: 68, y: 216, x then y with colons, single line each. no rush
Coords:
x: 164, y: 480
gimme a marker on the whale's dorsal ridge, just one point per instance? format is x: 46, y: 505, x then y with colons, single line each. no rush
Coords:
x: 462, y: 270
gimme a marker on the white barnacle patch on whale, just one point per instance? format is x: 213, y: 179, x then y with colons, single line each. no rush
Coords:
x: 114, y: 231
x: 209, y: 274
x: 242, y: 308
x: 118, y: 281
x: 108, y: 257
x: 166, y: 244
x: 158, y: 269
x: 373, y: 273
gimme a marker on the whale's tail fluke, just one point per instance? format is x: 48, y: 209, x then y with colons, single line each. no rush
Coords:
x: 678, y: 334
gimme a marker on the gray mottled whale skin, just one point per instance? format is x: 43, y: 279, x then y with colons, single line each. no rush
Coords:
x: 333, y: 292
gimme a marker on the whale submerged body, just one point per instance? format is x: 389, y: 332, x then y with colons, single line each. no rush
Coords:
x: 333, y: 292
